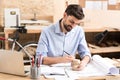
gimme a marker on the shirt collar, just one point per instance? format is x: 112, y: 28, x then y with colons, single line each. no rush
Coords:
x: 57, y: 27
x: 58, y: 30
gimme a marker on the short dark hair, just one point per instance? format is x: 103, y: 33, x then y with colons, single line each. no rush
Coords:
x: 75, y: 10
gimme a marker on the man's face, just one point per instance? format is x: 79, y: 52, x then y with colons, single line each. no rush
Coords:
x: 70, y: 22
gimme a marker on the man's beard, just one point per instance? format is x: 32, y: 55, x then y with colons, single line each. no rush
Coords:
x: 68, y: 28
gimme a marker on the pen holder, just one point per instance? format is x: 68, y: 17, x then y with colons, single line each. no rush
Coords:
x: 34, y: 72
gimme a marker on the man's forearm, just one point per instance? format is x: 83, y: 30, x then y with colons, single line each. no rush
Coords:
x: 52, y: 60
x: 86, y: 59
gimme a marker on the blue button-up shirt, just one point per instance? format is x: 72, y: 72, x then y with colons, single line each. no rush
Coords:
x: 53, y: 42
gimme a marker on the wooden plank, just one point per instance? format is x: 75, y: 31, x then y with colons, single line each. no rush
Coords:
x: 100, y: 29
x: 93, y: 46
x: 1, y: 33
x: 105, y: 50
x: 112, y: 7
x: 82, y: 3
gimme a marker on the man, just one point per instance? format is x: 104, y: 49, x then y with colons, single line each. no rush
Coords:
x: 59, y: 42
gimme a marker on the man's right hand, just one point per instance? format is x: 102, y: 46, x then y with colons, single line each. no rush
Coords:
x: 68, y: 58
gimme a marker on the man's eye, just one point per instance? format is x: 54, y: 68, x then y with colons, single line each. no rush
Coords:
x: 72, y: 22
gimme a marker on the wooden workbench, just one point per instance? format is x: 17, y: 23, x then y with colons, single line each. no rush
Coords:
x: 4, y: 76
x: 13, y: 77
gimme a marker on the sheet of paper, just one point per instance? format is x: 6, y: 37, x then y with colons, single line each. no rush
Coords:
x: 89, y: 70
x: 63, y: 78
x: 62, y: 65
x: 54, y: 76
x: 49, y: 71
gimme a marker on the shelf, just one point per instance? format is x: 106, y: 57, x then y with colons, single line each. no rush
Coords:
x: 35, y: 22
x: 96, y: 49
x: 100, y: 29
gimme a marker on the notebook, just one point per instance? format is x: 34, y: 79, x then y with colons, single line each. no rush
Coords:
x: 12, y: 63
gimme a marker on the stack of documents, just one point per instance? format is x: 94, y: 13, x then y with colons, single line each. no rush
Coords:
x: 98, y: 66
x: 106, y: 67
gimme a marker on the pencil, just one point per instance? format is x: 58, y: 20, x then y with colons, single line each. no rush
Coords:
x: 67, y: 53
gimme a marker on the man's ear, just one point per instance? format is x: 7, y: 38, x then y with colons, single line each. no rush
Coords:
x: 64, y: 15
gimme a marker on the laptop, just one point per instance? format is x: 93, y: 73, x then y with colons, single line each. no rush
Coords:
x: 12, y: 63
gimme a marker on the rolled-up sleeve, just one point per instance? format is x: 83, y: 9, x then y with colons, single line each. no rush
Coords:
x: 42, y: 46
x: 83, y: 49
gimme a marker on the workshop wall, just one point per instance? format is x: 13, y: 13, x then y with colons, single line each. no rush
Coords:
x: 29, y: 7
